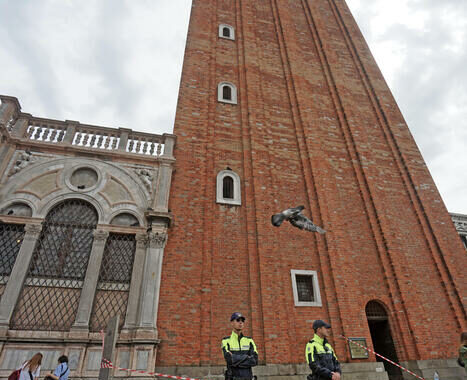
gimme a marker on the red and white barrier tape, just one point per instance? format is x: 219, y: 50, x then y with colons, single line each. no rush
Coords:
x: 107, y: 364
x: 382, y: 357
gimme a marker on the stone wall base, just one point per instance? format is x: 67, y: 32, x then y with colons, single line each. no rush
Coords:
x: 350, y: 371
x: 447, y: 369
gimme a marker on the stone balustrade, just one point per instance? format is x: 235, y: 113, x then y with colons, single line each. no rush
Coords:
x: 29, y: 128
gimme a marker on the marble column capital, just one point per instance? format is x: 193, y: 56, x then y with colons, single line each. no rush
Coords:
x: 32, y: 231
x: 100, y: 236
x: 141, y: 241
x: 157, y: 239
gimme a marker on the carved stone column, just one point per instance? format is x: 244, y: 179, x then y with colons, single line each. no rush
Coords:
x: 164, y: 179
x: 18, y: 273
x: 136, y: 281
x: 149, y: 299
x: 90, y: 281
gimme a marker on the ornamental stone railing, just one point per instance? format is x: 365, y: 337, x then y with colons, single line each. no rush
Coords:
x: 26, y: 127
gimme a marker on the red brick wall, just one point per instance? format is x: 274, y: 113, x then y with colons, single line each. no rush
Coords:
x: 316, y: 125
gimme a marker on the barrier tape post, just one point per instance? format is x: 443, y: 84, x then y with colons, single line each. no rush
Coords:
x: 108, y: 346
x: 382, y: 357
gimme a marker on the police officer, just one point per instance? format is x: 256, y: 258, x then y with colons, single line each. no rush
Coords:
x: 239, y: 351
x: 320, y: 356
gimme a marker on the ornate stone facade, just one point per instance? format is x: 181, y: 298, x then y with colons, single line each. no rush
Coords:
x: 460, y: 223
x: 122, y: 175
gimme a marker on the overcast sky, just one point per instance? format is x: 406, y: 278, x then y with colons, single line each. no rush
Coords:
x: 117, y: 63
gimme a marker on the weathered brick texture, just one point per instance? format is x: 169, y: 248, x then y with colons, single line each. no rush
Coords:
x: 316, y: 125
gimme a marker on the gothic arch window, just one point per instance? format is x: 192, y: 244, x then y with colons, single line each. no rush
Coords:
x: 50, y: 295
x: 228, y: 188
x: 226, y: 31
x: 227, y: 93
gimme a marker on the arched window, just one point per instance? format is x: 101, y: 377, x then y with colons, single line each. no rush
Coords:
x: 226, y: 31
x: 228, y: 188
x: 227, y: 93
x: 51, y: 292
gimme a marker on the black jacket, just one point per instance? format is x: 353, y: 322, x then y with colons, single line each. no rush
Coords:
x: 321, y: 358
x: 240, y: 354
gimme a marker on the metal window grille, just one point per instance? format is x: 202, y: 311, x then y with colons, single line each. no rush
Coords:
x: 305, y: 288
x: 50, y: 295
x: 11, y: 237
x: 114, y: 280
x: 228, y: 187
x: 375, y: 311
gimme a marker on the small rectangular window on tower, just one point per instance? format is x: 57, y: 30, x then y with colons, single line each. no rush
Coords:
x: 305, y: 288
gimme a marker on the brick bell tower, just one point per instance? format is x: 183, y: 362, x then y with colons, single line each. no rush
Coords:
x: 281, y: 104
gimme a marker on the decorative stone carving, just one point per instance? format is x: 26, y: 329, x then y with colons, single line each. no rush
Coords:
x: 461, y: 226
x: 460, y: 222
x: 146, y: 177
x: 23, y: 159
x: 9, y: 125
x: 100, y: 236
x: 141, y: 241
x: 157, y: 240
x: 32, y: 231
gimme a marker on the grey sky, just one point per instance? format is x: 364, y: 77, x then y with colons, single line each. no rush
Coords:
x: 117, y: 63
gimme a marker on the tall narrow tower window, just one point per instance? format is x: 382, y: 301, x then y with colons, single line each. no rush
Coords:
x: 226, y: 31
x: 228, y: 188
x: 227, y: 93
